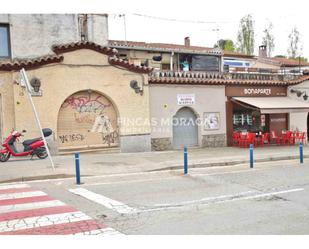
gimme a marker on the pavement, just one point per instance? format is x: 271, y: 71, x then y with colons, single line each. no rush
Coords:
x: 100, y: 163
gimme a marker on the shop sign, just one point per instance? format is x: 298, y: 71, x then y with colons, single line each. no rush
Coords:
x: 242, y: 91
x: 257, y: 91
x: 277, y: 120
x: 185, y: 99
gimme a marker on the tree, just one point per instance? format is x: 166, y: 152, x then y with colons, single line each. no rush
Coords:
x: 245, y: 36
x: 268, y: 40
x: 295, y: 48
x: 227, y: 45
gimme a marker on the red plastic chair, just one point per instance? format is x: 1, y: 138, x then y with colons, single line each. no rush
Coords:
x: 288, y: 138
x: 300, y: 137
x: 274, y: 137
x: 243, y: 139
x: 264, y: 139
x: 236, y: 138
x: 250, y: 139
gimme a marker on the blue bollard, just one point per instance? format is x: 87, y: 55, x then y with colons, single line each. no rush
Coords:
x: 301, y: 154
x: 251, y: 155
x: 185, y: 160
x: 77, y: 168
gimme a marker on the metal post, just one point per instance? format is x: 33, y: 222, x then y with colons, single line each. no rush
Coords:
x: 185, y: 160
x: 77, y: 168
x: 251, y: 155
x: 28, y: 90
x: 301, y: 154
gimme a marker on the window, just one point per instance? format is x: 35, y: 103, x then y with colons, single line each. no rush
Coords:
x: 4, y: 41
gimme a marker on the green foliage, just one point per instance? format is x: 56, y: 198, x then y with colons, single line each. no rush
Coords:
x: 268, y: 40
x: 245, y: 37
x: 227, y: 45
x: 301, y: 59
x: 280, y: 56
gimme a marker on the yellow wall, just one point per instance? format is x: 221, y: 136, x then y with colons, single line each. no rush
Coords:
x: 81, y: 70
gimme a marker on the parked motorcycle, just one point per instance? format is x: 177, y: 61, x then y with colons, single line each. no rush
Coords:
x: 31, y: 146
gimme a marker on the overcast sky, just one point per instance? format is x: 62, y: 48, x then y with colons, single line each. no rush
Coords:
x: 216, y: 14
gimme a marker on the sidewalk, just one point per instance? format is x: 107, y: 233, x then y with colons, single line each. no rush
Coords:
x: 23, y: 169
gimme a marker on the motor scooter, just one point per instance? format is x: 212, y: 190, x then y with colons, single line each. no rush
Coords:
x: 31, y: 146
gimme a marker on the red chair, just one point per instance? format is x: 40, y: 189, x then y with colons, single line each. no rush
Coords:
x: 274, y: 137
x: 236, y: 138
x: 250, y: 139
x: 243, y: 139
x: 300, y: 137
x: 264, y: 139
x: 288, y: 138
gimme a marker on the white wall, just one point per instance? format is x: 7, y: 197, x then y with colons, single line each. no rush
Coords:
x: 33, y: 35
x: 298, y: 121
x: 163, y: 104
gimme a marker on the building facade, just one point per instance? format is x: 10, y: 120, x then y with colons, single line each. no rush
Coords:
x: 33, y: 35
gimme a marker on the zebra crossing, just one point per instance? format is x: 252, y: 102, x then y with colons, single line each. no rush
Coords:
x: 26, y: 211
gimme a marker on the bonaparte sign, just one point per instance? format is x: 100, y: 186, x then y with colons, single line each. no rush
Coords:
x: 185, y: 99
x: 255, y: 91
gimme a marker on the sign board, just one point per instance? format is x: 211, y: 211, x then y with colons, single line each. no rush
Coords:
x: 185, y: 99
x: 255, y: 91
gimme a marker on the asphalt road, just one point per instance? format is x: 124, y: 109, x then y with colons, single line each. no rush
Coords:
x: 271, y: 198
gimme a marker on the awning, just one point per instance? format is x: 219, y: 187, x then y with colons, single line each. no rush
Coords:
x: 273, y: 104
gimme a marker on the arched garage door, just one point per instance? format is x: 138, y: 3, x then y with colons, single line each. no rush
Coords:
x: 185, y: 129
x: 87, y: 119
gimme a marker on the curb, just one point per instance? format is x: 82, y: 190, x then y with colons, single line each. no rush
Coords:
x: 229, y: 163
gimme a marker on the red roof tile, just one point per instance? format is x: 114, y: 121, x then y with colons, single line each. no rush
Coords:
x: 18, y: 64
x: 221, y: 79
x: 131, y: 67
x: 63, y: 48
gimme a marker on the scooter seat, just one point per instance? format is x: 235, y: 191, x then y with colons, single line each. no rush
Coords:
x: 30, y: 141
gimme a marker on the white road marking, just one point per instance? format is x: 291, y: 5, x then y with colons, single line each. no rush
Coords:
x: 21, y: 195
x: 216, y: 200
x: 105, y: 201
x: 30, y: 206
x: 206, y: 199
x: 104, y: 231
x: 40, y: 221
x: 14, y: 186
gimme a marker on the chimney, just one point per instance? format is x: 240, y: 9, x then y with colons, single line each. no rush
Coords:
x: 262, y: 51
x: 187, y: 41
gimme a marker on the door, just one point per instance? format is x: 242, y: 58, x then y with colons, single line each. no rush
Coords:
x: 185, y: 129
x: 87, y: 119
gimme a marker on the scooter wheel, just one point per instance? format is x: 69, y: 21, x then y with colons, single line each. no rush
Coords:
x: 4, y: 156
x: 42, y: 154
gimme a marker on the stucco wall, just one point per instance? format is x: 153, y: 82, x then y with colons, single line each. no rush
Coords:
x: 163, y: 105
x: 7, y: 122
x: 33, y: 35
x: 298, y: 121
x: 82, y: 70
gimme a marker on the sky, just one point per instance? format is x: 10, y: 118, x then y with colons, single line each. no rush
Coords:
x: 206, y: 21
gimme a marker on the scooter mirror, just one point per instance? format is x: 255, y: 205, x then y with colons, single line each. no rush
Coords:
x: 24, y: 131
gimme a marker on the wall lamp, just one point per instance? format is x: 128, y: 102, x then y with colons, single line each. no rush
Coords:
x: 134, y: 85
x: 300, y: 93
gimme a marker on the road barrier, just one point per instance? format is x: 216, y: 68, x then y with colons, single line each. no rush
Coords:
x: 77, y: 170
x: 251, y: 155
x: 301, y: 153
x: 185, y: 160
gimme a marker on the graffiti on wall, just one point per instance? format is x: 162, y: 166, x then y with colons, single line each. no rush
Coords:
x: 71, y: 138
x: 90, y: 115
x: 84, y: 104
